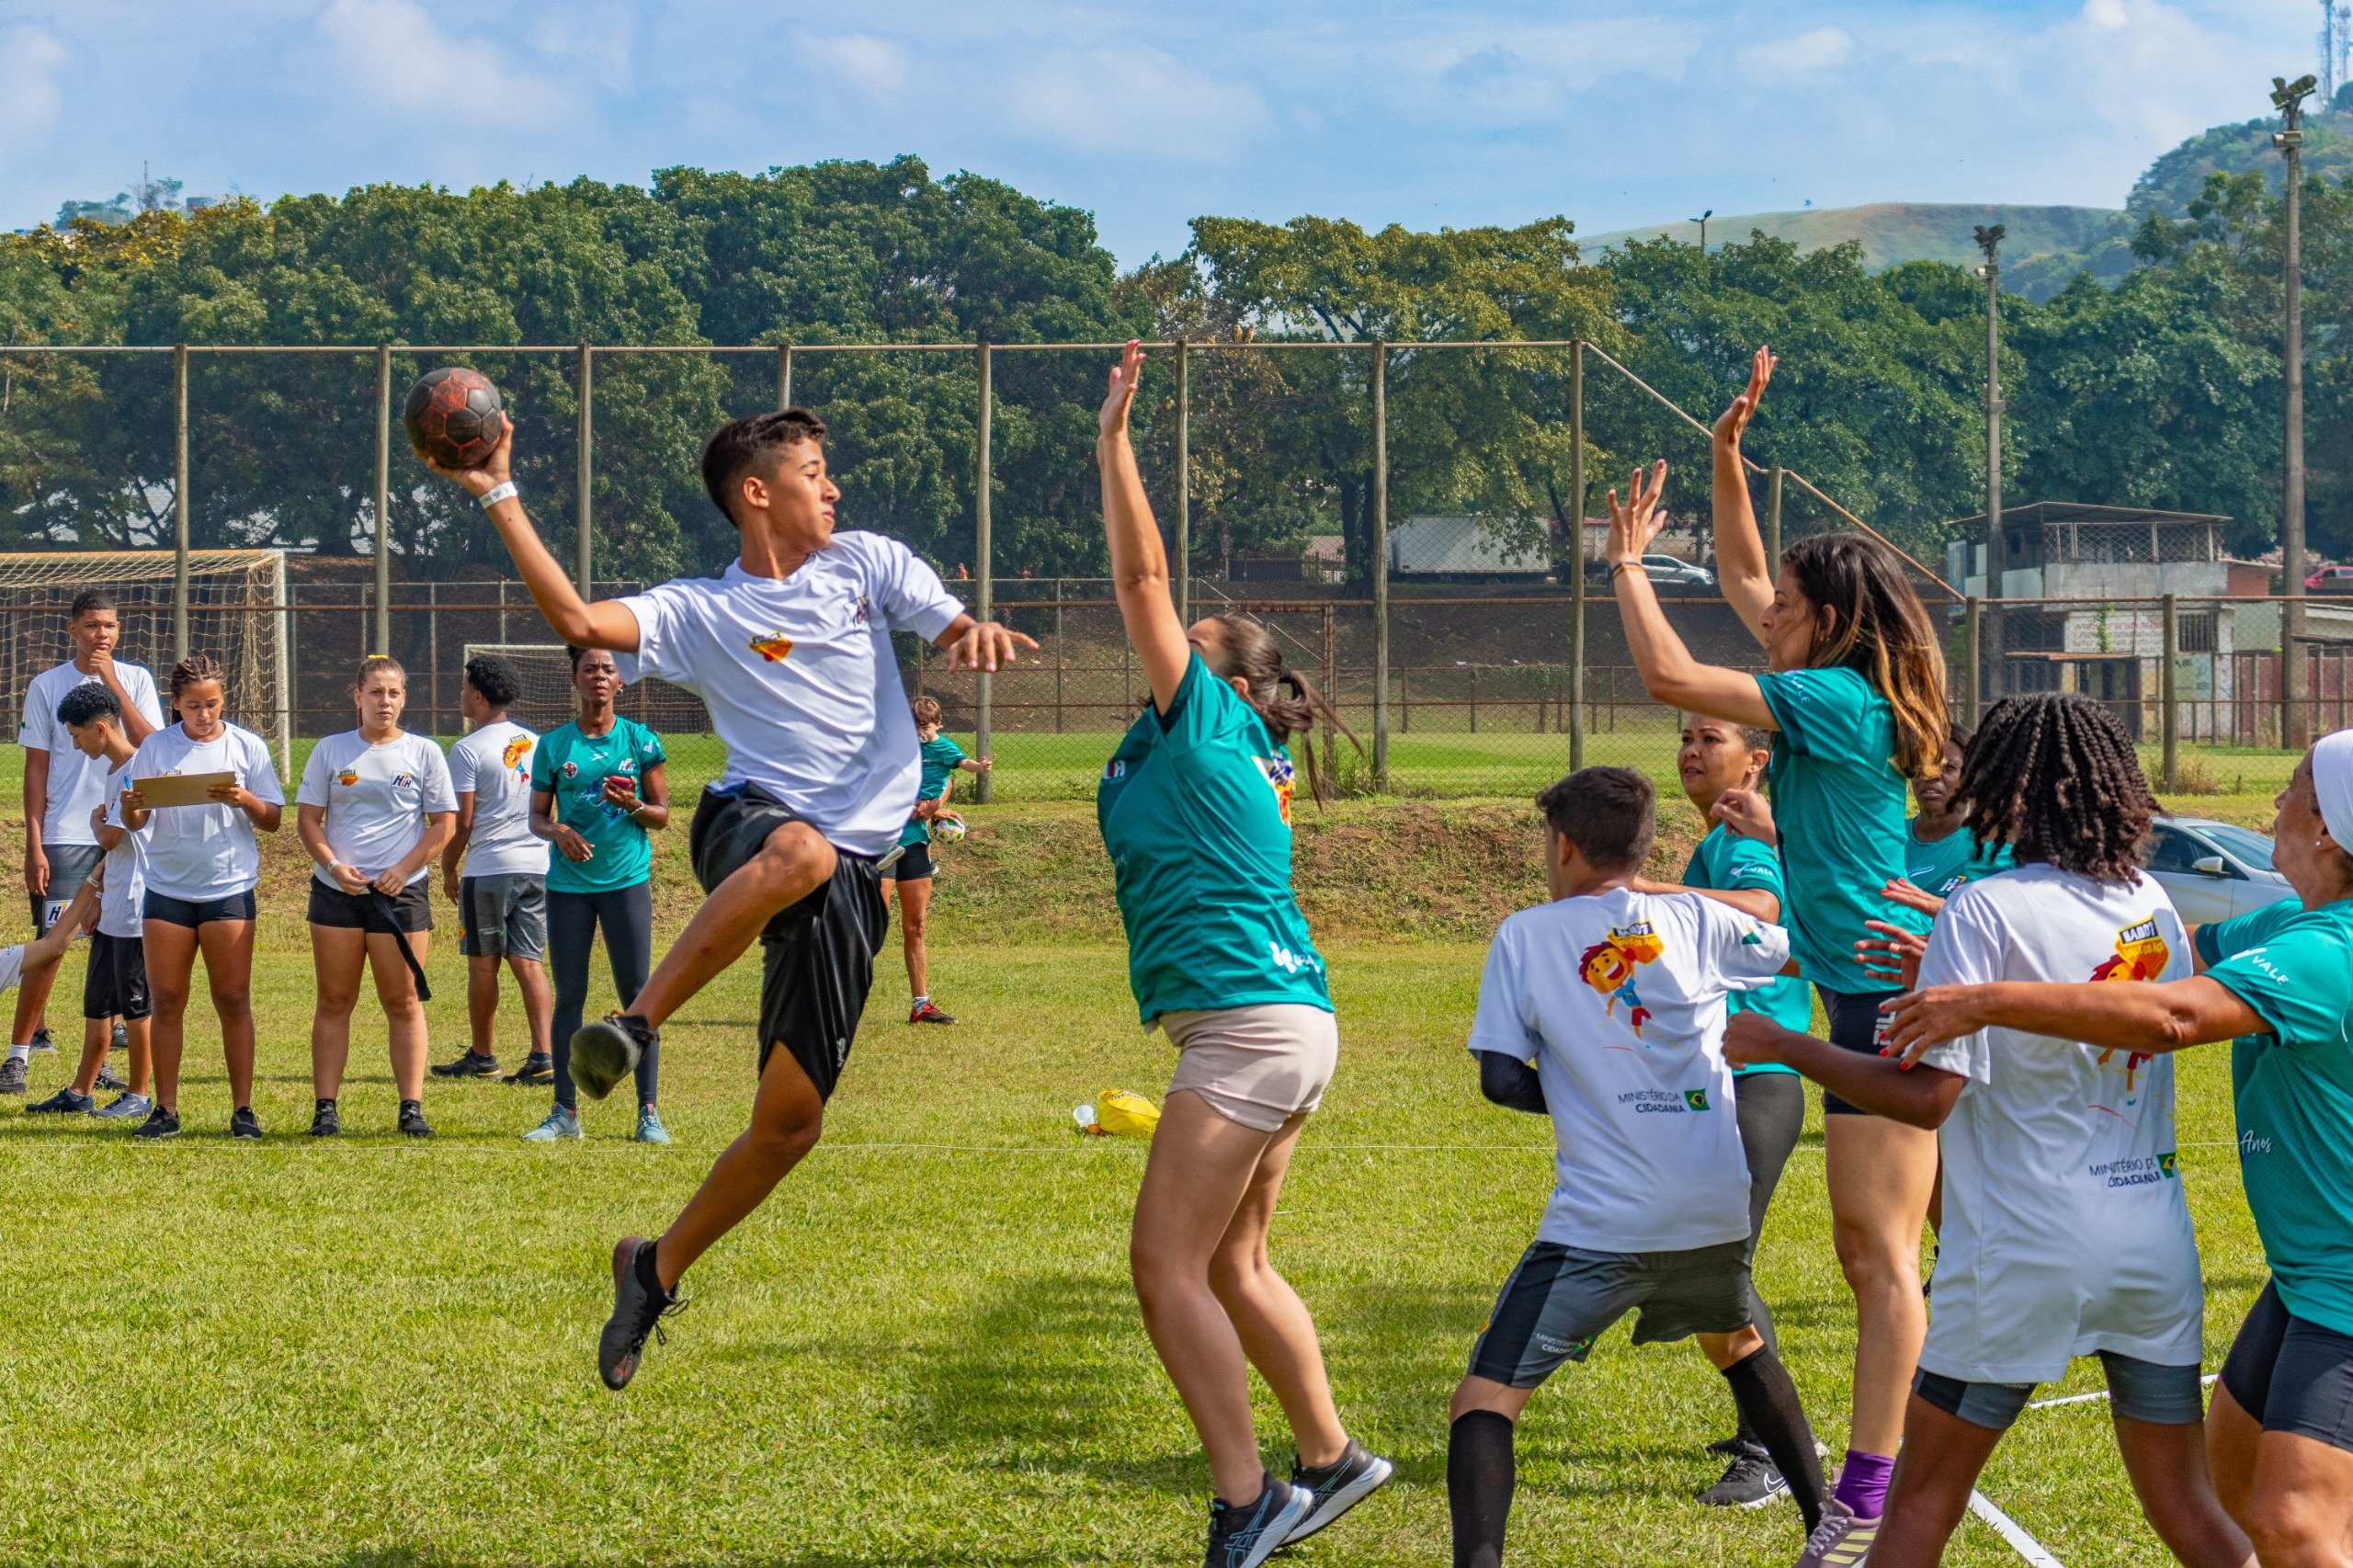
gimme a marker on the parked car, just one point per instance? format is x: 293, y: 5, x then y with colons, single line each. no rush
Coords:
x: 2213, y: 871
x: 1663, y: 571
x: 2330, y: 580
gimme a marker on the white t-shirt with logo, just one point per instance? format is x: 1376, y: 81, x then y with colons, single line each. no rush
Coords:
x: 2065, y: 1231
x: 1619, y: 999
x: 800, y: 680
x: 200, y: 853
x: 493, y: 765
x: 376, y: 799
x: 77, y: 783
x: 121, y: 901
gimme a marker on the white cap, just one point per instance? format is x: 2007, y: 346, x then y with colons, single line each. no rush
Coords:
x: 2333, y: 782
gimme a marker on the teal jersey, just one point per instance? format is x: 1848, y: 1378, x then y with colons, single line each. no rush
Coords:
x: 1943, y: 866
x: 1728, y: 862
x: 2293, y: 1086
x: 573, y: 767
x: 1838, y: 806
x: 941, y: 757
x: 1195, y: 810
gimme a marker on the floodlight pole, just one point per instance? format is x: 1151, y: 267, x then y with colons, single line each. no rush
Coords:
x: 1184, y: 564
x: 583, y: 491
x: 1379, y: 565
x: 981, y: 547
x: 179, y: 503
x: 2294, y: 721
x: 380, y: 641
x: 1702, y: 221
x: 1576, y: 555
x: 1989, y: 240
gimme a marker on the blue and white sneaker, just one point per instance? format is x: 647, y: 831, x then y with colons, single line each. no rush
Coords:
x: 66, y: 1102
x: 562, y: 1122
x: 649, y: 1126
x: 1246, y: 1536
x: 1337, y: 1487
x: 123, y: 1106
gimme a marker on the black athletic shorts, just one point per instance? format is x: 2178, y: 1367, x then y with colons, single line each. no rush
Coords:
x: 914, y: 865
x: 1560, y: 1300
x: 412, y: 908
x: 115, y: 984
x: 2293, y: 1375
x: 1857, y: 1025
x: 195, y: 913
x: 817, y: 957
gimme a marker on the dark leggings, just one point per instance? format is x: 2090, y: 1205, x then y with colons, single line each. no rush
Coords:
x: 627, y: 916
x: 1770, y: 1109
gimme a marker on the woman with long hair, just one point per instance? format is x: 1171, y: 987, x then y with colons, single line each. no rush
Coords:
x: 1195, y: 810
x: 1854, y: 691
x: 375, y: 807
x: 203, y: 864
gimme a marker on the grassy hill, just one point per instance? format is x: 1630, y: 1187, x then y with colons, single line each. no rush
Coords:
x: 1893, y: 231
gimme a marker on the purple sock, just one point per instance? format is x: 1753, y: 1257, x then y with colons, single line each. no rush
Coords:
x: 1862, y: 1482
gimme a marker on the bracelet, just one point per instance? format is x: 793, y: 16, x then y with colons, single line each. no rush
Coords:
x: 497, y: 492
x: 1624, y: 566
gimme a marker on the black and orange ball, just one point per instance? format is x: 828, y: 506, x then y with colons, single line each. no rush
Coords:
x: 454, y: 416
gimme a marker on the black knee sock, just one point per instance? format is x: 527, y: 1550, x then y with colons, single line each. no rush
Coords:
x: 1479, y: 1478
x: 1769, y: 1404
x: 1761, y: 1318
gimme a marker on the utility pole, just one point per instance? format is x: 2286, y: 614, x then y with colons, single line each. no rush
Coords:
x: 1702, y: 221
x: 1989, y: 240
x: 2294, y: 721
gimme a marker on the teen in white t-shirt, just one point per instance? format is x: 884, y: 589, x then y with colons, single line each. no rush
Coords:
x: 2066, y: 1231
x: 374, y: 808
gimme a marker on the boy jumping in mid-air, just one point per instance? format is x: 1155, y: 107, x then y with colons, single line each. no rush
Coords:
x: 1619, y: 996
x: 790, y: 650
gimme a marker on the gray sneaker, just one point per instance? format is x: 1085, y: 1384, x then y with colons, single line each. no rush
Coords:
x: 649, y: 1126
x: 12, y: 1076
x: 1335, y: 1488
x: 124, y: 1106
x: 120, y: 1039
x: 109, y: 1081
x: 562, y: 1122
x: 1246, y: 1536
x: 637, y: 1312
x: 1840, y: 1540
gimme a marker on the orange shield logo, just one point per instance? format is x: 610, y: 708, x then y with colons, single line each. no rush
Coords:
x: 772, y: 648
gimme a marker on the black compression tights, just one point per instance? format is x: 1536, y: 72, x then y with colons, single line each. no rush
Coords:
x: 627, y: 916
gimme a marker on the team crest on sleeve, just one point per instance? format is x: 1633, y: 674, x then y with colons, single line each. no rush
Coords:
x: 2140, y: 954
x: 1282, y: 776
x: 773, y: 647
x: 1610, y: 967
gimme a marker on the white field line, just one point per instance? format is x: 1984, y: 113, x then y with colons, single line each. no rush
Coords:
x: 2025, y: 1545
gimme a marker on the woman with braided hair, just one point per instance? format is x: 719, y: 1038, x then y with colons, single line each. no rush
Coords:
x: 2065, y: 1230
x: 1853, y: 689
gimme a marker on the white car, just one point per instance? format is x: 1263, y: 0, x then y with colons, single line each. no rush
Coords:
x: 2213, y: 871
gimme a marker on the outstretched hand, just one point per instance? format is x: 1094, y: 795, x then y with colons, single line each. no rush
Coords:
x: 1636, y: 521
x: 984, y: 644
x: 491, y: 473
x: 1734, y: 420
x: 1122, y: 392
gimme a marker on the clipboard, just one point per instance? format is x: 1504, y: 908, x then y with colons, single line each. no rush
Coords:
x: 181, y: 788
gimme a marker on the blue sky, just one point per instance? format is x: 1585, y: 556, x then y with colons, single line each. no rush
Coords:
x: 1614, y: 112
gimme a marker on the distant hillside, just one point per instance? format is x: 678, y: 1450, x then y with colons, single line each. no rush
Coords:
x: 2175, y: 180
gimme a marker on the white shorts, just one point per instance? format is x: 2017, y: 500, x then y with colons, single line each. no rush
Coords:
x: 1258, y: 1065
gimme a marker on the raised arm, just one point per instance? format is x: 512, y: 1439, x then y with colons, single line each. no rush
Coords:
x: 1743, y: 574
x: 1755, y: 903
x: 603, y: 624
x: 1669, y: 672
x: 1139, y: 565
x: 2149, y: 1019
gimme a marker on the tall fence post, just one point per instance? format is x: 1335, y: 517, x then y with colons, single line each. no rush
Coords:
x: 2169, y: 724
x: 1381, y: 563
x: 1973, y: 619
x: 282, y: 597
x: 1772, y: 520
x: 433, y: 648
x: 783, y: 377
x: 1184, y: 572
x: 583, y: 502
x: 179, y: 503
x: 981, y: 725
x: 1576, y: 555
x: 381, y: 641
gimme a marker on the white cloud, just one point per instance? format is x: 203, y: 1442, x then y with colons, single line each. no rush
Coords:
x: 1807, y: 54
x: 30, y: 98
x: 1511, y: 74
x: 2108, y: 14
x: 876, y: 66
x: 392, y: 54
x: 1129, y: 100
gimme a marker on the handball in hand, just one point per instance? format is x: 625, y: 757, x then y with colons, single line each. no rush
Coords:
x: 454, y: 417
x: 947, y: 828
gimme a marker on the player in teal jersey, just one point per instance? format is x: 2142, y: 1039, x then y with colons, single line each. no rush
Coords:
x: 913, y: 871
x: 2278, y: 984
x: 1939, y: 854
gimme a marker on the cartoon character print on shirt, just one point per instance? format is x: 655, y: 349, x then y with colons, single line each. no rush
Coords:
x: 1282, y: 777
x: 518, y: 748
x: 1610, y: 967
x: 2140, y: 954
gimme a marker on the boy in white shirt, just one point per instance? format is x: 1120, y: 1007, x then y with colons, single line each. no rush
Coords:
x: 1618, y: 999
x: 790, y: 650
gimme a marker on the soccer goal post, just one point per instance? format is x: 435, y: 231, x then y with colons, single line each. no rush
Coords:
x: 544, y: 670
x: 236, y: 612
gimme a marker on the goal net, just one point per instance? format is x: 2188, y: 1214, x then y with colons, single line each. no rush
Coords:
x: 545, y: 672
x: 236, y: 612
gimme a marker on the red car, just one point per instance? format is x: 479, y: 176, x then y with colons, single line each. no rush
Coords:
x: 2330, y: 580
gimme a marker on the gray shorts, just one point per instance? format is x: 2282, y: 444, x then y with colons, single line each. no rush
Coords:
x: 503, y: 916
x: 69, y: 865
x: 2137, y: 1390
x: 1560, y: 1300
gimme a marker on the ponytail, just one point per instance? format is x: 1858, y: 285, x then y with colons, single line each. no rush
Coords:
x: 1248, y: 651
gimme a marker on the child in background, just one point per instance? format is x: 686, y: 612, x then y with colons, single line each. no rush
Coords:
x: 913, y: 871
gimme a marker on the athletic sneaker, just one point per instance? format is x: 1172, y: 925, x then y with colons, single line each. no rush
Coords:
x: 120, y: 1038
x: 244, y: 1123
x: 927, y: 1012
x: 108, y: 1081
x: 562, y: 1122
x: 12, y: 1076
x: 124, y: 1106
x: 1840, y: 1540
x: 1244, y: 1538
x: 412, y: 1122
x: 649, y: 1126
x: 469, y: 1064
x: 40, y: 1040
x: 638, y: 1311
x: 537, y: 1068
x: 1750, y: 1481
x: 325, y: 1121
x: 160, y: 1123
x: 66, y: 1102
x: 1333, y: 1489
x: 607, y: 1050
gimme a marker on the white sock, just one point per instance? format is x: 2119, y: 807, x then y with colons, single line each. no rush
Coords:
x: 921, y: 1000
x: 21, y: 1052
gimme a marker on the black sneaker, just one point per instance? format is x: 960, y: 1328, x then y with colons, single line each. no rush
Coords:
x: 413, y: 1120
x: 12, y: 1076
x: 109, y: 1082
x: 160, y: 1123
x: 1750, y: 1481
x: 324, y: 1122
x: 66, y: 1102
x: 120, y: 1038
x: 244, y: 1123
x: 468, y: 1065
x: 1244, y: 1538
x: 638, y: 1311
x: 1333, y: 1489
x: 607, y: 1050
x: 537, y: 1068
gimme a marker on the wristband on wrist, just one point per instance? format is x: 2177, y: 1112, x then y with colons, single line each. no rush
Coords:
x: 497, y: 492
x: 1625, y: 566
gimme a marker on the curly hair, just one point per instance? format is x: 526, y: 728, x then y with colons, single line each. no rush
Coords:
x: 2056, y: 777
